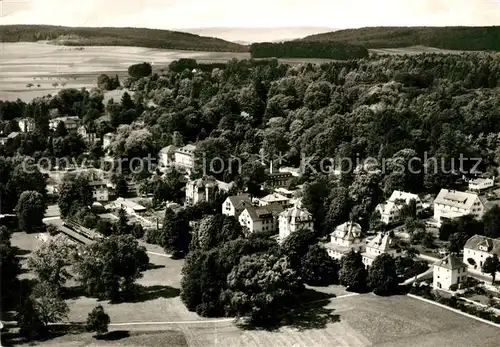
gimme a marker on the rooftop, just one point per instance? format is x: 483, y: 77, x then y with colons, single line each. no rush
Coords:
x: 450, y: 262
x: 263, y: 212
x: 237, y: 200
x: 455, y: 198
x: 475, y: 241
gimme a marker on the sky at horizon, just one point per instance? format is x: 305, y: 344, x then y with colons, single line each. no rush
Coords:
x: 181, y: 14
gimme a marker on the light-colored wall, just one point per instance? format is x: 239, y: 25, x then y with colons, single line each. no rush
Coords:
x: 477, y: 210
x: 446, y: 277
x: 478, y: 256
x: 101, y: 194
x: 184, y: 159
x: 228, y: 208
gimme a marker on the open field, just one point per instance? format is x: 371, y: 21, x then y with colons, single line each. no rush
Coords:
x: 44, y: 64
x: 158, y: 316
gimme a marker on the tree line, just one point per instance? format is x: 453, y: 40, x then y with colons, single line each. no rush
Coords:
x: 299, y: 49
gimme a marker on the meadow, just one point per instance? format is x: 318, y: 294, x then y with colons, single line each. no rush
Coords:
x: 158, y: 318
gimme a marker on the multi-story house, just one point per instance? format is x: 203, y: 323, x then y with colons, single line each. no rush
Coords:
x: 380, y: 244
x: 294, y: 219
x: 346, y: 236
x: 260, y: 218
x: 392, y: 211
x: 450, y: 204
x: 71, y: 123
x: 182, y: 157
x: 447, y: 272
x: 204, y: 189
x: 234, y: 205
x: 479, y: 248
x: 100, y: 190
x: 26, y: 124
x: 480, y: 184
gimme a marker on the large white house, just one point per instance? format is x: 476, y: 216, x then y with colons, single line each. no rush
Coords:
x: 380, y: 244
x: 448, y: 271
x: 71, y: 123
x: 204, y: 189
x: 450, y: 204
x: 477, y: 249
x: 180, y: 157
x: 479, y: 184
x: 260, y: 218
x: 234, y: 205
x: 346, y: 236
x: 294, y: 219
x: 391, y: 210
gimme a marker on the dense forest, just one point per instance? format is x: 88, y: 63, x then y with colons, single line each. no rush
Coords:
x: 454, y: 38
x: 320, y: 50
x: 435, y: 107
x: 151, y: 38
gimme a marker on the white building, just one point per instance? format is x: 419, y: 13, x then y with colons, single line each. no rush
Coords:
x: 106, y: 140
x: 204, y: 189
x: 380, y: 244
x: 294, y: 219
x: 479, y: 184
x: 26, y: 124
x: 479, y: 248
x: 100, y: 190
x: 166, y: 156
x: 234, y: 205
x: 182, y: 157
x: 450, y: 204
x: 88, y: 136
x: 260, y: 218
x: 71, y: 123
x: 132, y: 208
x: 448, y: 271
x: 346, y: 236
x: 274, y: 199
x: 391, y: 210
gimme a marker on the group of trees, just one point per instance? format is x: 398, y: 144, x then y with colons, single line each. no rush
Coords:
x: 301, y: 49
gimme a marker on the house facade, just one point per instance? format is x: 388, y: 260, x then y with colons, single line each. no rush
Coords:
x: 106, y: 140
x: 392, y: 211
x: 26, y: 124
x: 346, y: 236
x: 204, y: 190
x: 71, y: 123
x: 100, y: 191
x: 382, y: 243
x: 480, y: 184
x: 294, y: 219
x: 450, y: 204
x: 234, y: 205
x: 182, y: 157
x: 447, y: 272
x: 257, y: 219
x: 479, y: 248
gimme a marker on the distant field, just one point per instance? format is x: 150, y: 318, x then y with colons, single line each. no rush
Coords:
x: 44, y: 64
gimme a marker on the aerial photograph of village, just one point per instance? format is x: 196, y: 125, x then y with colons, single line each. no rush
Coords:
x: 250, y: 173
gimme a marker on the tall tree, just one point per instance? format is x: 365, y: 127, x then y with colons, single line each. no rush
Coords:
x: 98, y: 321
x: 262, y: 287
x: 382, y: 275
x: 30, y: 210
x: 176, y: 231
x: 352, y: 273
x: 491, y: 220
x: 491, y: 266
